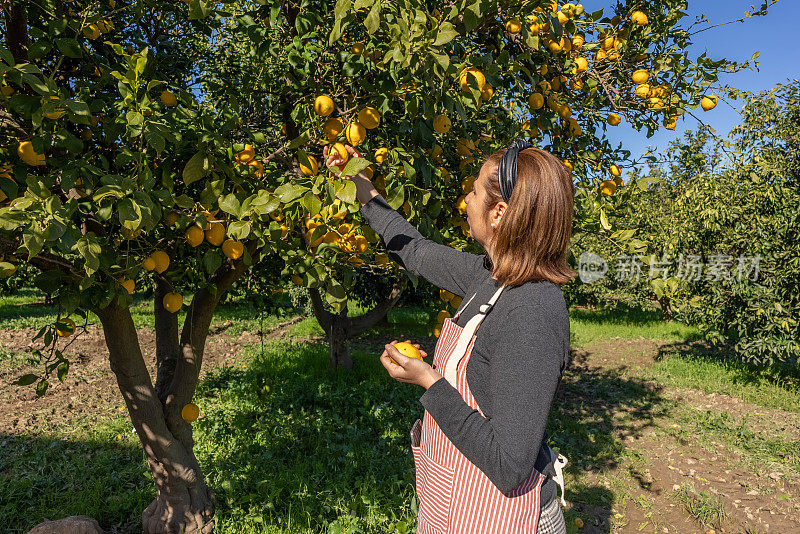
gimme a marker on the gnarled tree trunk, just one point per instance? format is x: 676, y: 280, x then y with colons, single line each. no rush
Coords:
x: 184, y: 504
x: 339, y: 328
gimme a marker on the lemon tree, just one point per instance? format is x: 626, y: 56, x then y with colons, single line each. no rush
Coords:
x: 424, y: 92
x: 116, y: 174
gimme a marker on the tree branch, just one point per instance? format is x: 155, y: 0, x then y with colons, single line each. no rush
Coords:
x: 358, y: 325
x: 16, y: 29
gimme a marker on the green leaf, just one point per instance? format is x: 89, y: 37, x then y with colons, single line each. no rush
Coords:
x: 41, y: 387
x: 154, y: 138
x: 355, y: 166
x: 299, y: 141
x: 26, y: 380
x: 604, y: 220
x: 447, y: 32
x: 130, y: 215
x: 230, y: 204
x: 396, y: 196
x: 289, y: 191
x: 196, y: 168
x: 69, y: 47
x: 373, y: 20
x: 62, y: 369
x: 347, y: 193
x: 90, y: 249
x: 212, y: 261
x: 199, y: 9
x: 239, y: 230
x: 311, y: 203
x: 33, y: 241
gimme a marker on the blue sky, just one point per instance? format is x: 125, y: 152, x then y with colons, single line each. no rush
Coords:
x: 774, y: 35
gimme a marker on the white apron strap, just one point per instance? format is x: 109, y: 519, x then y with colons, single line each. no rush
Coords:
x: 466, y: 335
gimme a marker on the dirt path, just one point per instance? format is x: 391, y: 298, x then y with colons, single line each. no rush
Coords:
x: 663, y: 473
x: 89, y: 391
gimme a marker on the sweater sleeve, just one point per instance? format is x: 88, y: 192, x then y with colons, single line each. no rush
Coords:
x: 525, y: 369
x: 441, y: 265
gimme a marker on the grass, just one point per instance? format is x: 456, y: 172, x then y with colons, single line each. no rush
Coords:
x: 706, y: 509
x: 291, y: 447
x: 625, y: 322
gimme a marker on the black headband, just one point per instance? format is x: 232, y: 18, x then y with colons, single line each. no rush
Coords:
x: 507, y: 170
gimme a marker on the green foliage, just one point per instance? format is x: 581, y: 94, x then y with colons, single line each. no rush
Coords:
x: 734, y: 204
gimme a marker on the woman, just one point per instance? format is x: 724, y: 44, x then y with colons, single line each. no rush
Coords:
x: 480, y: 451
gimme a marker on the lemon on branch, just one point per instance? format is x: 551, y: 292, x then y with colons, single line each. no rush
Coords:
x: 639, y: 18
x: 381, y: 154
x: 513, y: 26
x: 195, y: 235
x: 442, y: 124
x: 65, y: 327
x: 640, y: 76
x: 323, y: 105
x: 474, y: 74
x: 708, y: 103
x: 160, y: 261
x: 369, y: 117
x: 608, y: 187
x: 333, y: 127
x: 615, y: 170
x: 27, y: 154
x: 215, y: 233
x: 129, y: 285
x: 614, y: 119
x: 169, y: 99
x: 247, y: 155
x: 356, y: 133
x: 536, y: 101
x: 172, y: 302
x: 311, y: 169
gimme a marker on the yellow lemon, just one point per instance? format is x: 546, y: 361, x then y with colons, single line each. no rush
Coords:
x: 148, y: 264
x: 172, y: 302
x: 172, y: 218
x: 169, y: 99
x: 568, y: 164
x: 640, y: 76
x: 581, y: 64
x: 536, y: 101
x: 408, y: 350
x: 333, y: 127
x: 608, y: 187
x: 614, y: 119
x: 247, y: 155
x: 129, y: 285
x: 461, y: 204
x: 91, y: 31
x: 342, y: 152
x: 311, y: 169
x: 708, y: 103
x: 381, y: 154
x: 233, y: 249
x: 615, y: 170
x: 513, y: 26
x: 190, y: 412
x: 369, y: 117
x: 195, y: 235
x: 160, y: 261
x: 442, y: 124
x: 356, y: 133
x: 65, y: 327
x: 215, y: 233
x: 639, y: 18
x: 27, y: 154
x: 323, y: 105
x: 474, y: 73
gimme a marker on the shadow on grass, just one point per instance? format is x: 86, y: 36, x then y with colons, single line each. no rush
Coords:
x: 43, y: 478
x: 594, y: 412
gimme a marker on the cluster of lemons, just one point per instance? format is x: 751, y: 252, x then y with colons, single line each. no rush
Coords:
x: 454, y: 301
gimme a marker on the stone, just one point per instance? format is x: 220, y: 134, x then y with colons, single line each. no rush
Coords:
x: 76, y: 524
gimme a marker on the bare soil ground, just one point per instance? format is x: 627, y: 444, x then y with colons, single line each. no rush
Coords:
x: 762, y: 501
x: 89, y: 391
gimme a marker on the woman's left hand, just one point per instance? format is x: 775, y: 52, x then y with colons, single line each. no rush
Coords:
x: 407, y: 369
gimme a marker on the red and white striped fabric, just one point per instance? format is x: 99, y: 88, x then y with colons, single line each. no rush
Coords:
x: 455, y: 496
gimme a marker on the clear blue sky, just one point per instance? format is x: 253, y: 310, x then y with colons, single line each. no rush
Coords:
x: 774, y: 35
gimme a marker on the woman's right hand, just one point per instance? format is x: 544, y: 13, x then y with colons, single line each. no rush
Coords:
x: 332, y: 159
x: 364, y: 188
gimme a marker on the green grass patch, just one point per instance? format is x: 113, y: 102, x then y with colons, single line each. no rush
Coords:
x: 592, y: 325
x: 294, y: 447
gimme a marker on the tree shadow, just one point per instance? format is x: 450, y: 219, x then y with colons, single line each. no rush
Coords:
x: 595, y: 411
x: 45, y: 478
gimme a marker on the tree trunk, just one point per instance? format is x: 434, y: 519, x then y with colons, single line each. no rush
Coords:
x: 339, y: 328
x: 666, y: 309
x: 184, y: 503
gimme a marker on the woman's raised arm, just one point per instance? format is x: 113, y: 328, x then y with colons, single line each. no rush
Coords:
x: 443, y: 266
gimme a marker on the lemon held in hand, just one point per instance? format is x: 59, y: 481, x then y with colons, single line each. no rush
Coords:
x: 408, y: 350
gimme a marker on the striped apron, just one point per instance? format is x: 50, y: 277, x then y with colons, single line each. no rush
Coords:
x: 455, y: 496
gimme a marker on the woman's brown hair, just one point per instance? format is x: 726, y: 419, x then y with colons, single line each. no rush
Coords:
x: 531, y: 241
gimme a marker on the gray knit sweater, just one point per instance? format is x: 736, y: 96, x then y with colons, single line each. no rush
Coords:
x: 519, y: 355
